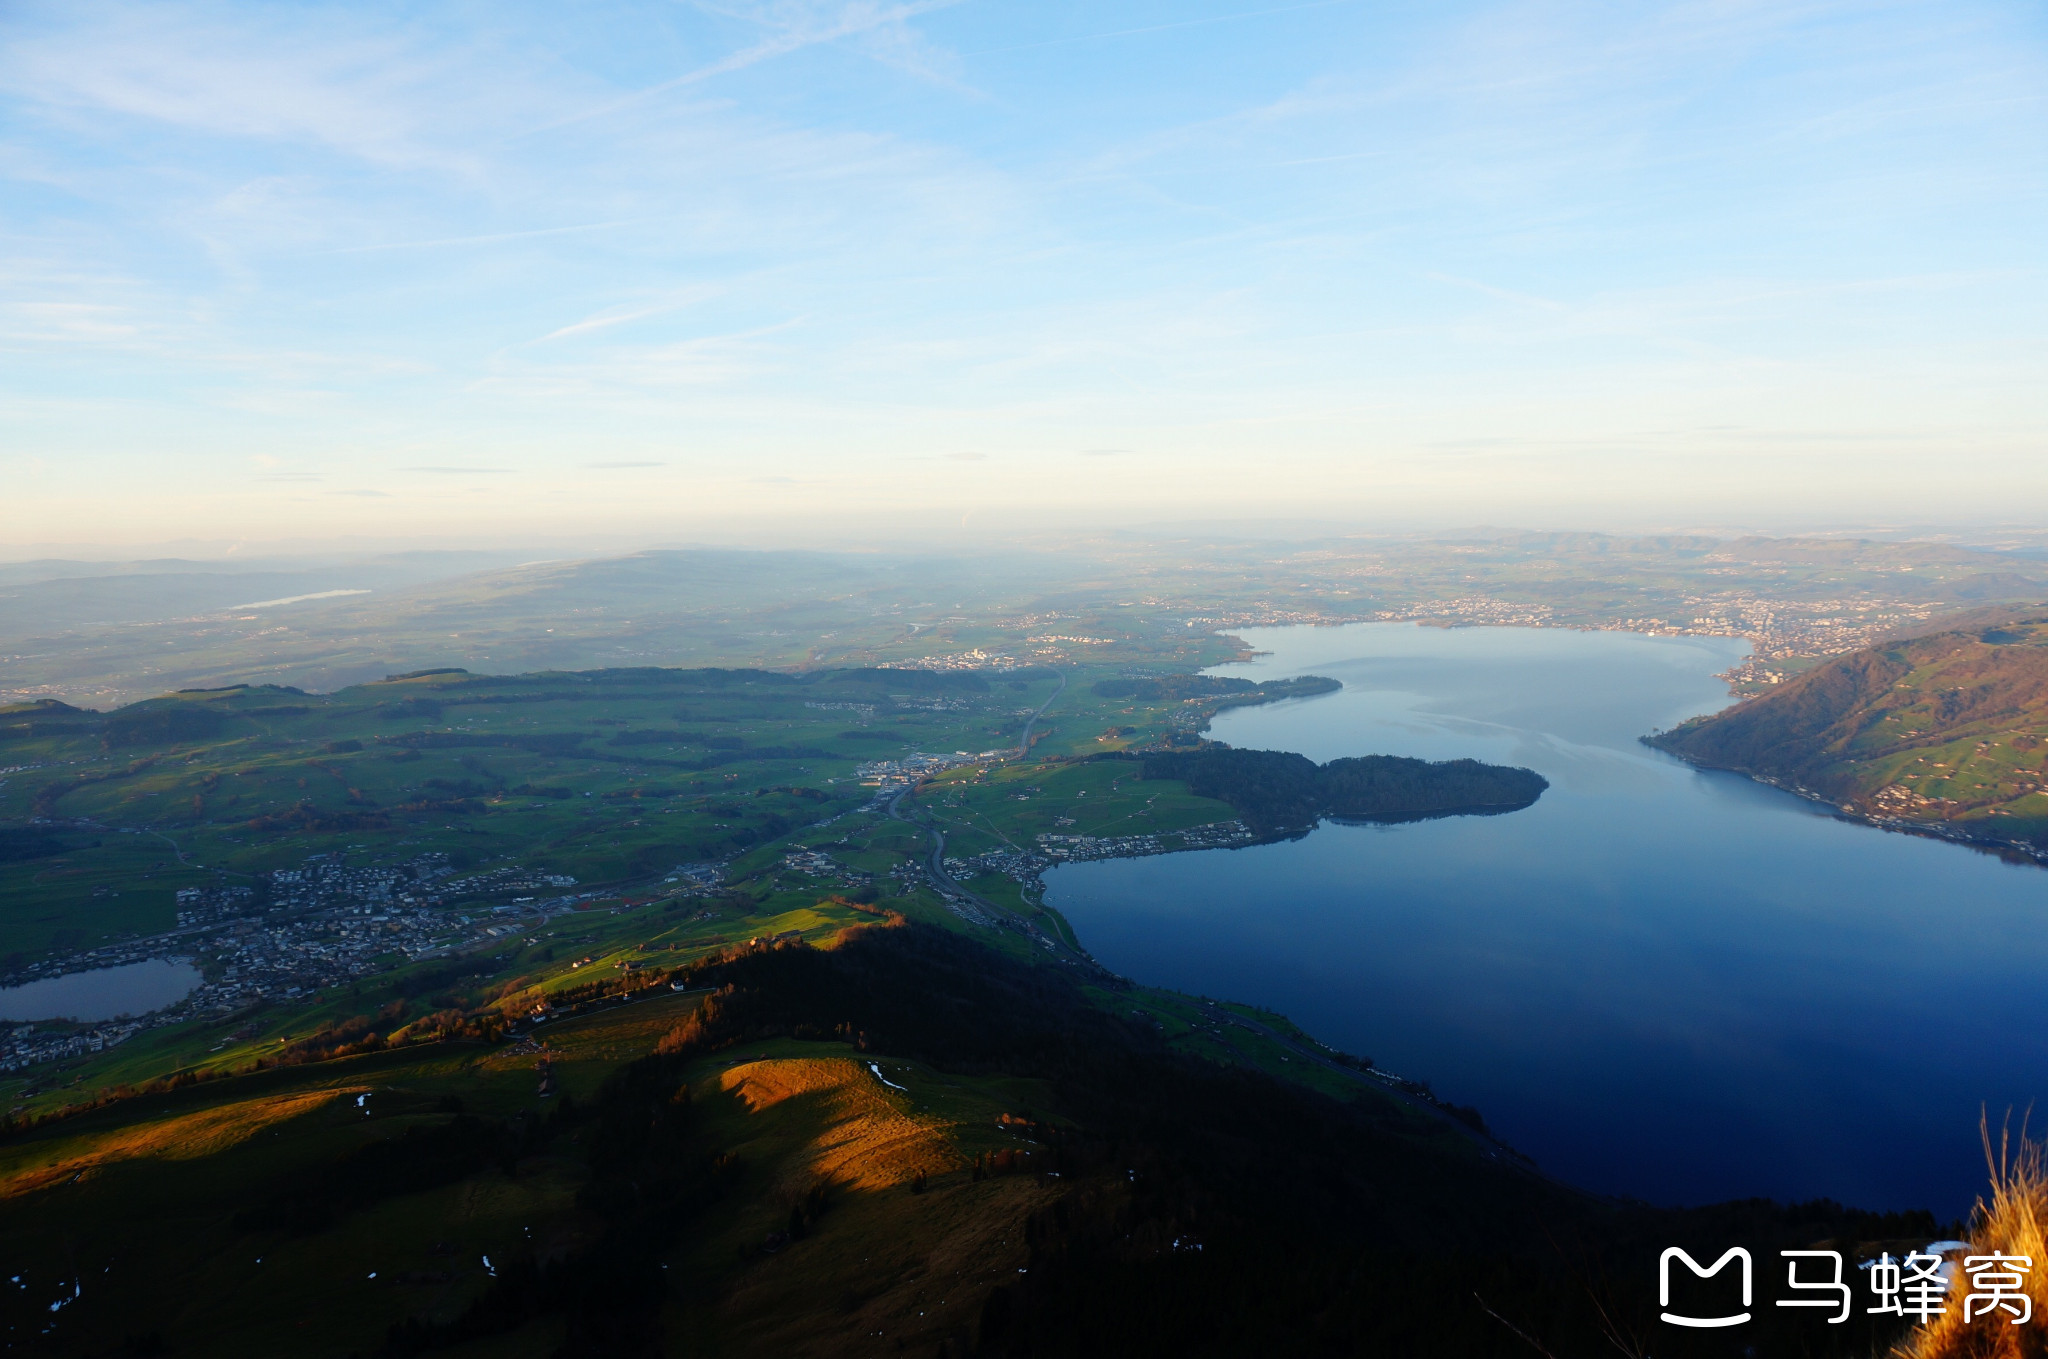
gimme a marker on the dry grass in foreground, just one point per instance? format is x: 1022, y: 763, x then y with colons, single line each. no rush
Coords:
x: 2011, y: 1222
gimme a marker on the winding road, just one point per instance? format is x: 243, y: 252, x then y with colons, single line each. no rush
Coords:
x: 1024, y: 741
x: 935, y: 865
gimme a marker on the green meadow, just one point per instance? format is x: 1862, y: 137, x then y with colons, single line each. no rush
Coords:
x: 612, y: 778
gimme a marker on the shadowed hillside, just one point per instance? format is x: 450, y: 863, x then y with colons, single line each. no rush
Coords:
x: 903, y: 1144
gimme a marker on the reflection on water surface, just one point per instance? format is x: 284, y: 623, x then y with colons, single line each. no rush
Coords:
x: 1672, y: 984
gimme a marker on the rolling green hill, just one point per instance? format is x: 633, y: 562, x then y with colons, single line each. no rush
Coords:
x: 1947, y: 731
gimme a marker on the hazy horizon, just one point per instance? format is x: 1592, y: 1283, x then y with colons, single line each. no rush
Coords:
x: 945, y: 536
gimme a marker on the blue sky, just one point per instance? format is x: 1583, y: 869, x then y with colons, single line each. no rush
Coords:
x: 293, y: 271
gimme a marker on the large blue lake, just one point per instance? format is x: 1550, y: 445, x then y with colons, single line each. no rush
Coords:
x: 1676, y: 985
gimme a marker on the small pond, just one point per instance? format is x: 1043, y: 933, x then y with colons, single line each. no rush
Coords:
x: 105, y: 993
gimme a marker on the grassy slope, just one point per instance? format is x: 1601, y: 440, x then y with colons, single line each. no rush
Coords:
x: 913, y: 1264
x: 796, y: 1113
x: 1949, y: 729
x: 891, y: 1261
x: 1292, y: 1195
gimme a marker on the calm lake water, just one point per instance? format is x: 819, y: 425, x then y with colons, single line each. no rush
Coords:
x: 1676, y: 985
x: 132, y: 989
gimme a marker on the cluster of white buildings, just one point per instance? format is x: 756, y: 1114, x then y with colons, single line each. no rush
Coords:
x: 26, y: 1046
x: 1024, y: 867
x: 1077, y: 848
x: 212, y: 904
x: 977, y: 659
x: 325, y: 880
x: 1779, y: 628
x: 914, y: 768
x: 695, y: 879
x: 324, y: 923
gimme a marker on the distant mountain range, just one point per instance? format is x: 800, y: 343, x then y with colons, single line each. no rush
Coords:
x: 1946, y: 731
x: 101, y: 634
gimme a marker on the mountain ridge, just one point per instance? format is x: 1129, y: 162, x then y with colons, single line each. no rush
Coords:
x: 1946, y: 732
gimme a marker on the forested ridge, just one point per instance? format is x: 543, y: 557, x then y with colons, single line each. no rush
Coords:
x: 1951, y: 728
x: 1276, y: 791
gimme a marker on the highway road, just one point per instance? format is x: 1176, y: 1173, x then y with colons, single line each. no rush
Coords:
x: 935, y: 864
x: 1024, y: 741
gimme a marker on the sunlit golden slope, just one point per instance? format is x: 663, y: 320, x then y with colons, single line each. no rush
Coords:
x: 188, y: 1137
x: 891, y: 1259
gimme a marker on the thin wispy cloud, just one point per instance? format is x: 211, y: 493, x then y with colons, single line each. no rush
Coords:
x: 489, y: 238
x: 243, y: 74
x: 795, y: 27
x: 847, y: 239
x: 619, y: 316
x: 1204, y: 22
